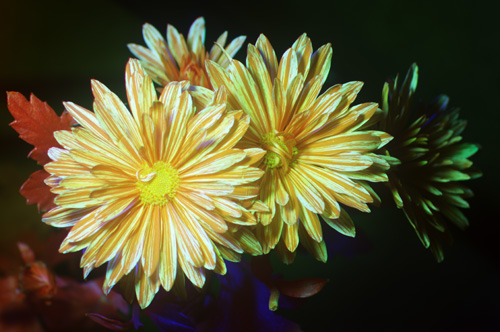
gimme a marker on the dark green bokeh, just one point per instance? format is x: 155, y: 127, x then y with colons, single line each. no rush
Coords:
x: 53, y: 49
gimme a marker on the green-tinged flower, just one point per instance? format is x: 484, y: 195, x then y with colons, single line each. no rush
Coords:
x: 316, y: 158
x: 175, y: 59
x: 431, y: 161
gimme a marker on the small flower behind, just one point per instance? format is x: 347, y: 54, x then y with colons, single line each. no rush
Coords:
x: 431, y: 161
x: 153, y: 192
x: 175, y: 60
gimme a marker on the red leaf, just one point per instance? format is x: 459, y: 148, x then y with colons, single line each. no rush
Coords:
x: 301, y: 288
x: 111, y: 324
x: 36, y: 121
x: 37, y: 192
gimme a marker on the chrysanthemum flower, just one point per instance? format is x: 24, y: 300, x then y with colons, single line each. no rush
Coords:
x: 154, y: 192
x: 176, y: 60
x: 316, y: 158
x: 432, y: 160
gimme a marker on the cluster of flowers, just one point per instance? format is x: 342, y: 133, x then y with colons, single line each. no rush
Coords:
x: 214, y: 158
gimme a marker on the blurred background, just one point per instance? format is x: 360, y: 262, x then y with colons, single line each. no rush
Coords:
x: 389, y: 282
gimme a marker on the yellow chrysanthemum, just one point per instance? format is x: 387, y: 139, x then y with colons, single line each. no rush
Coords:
x: 316, y: 158
x: 431, y: 161
x: 176, y: 60
x: 155, y: 190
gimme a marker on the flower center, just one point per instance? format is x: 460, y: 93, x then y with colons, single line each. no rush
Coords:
x: 191, y: 70
x: 157, y: 184
x: 280, y: 148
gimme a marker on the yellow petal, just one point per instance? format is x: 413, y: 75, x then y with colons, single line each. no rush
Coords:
x: 318, y: 250
x: 188, y: 247
x: 259, y: 72
x: 320, y: 62
x: 168, y: 257
x: 269, y: 235
x: 208, y: 218
x: 195, y: 274
x: 311, y: 224
x: 269, y: 56
x: 267, y: 196
x: 112, y: 113
x: 87, y: 119
x: 196, y: 37
x: 145, y: 287
x: 64, y: 217
x: 305, y: 191
x: 198, y: 232
x: 249, y: 242
x: 343, y: 224
x: 231, y: 50
x: 176, y: 44
x: 227, y: 207
x: 152, y: 242
x: 215, y: 162
x: 281, y: 193
x: 291, y: 236
x: 288, y: 68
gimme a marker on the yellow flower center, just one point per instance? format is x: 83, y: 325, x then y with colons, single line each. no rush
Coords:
x: 157, y: 184
x: 278, y: 152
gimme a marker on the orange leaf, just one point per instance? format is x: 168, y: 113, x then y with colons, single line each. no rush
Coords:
x: 36, y: 121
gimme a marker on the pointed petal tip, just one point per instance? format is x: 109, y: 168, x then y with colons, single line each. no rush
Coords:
x: 199, y: 19
x: 262, y: 39
x: 95, y: 84
x: 133, y: 64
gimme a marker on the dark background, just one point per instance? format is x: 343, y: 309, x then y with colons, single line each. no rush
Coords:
x: 54, y: 48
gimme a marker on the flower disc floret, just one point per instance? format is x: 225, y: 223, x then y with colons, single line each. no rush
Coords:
x: 158, y: 184
x: 278, y: 153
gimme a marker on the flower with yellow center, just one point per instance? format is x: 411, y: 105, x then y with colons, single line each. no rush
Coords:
x: 175, y: 60
x: 316, y: 156
x: 154, y: 192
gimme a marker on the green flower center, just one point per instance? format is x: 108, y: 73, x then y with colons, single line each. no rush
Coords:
x: 278, y: 152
